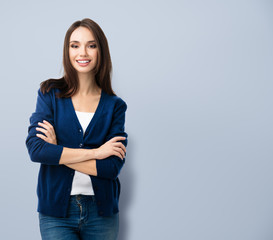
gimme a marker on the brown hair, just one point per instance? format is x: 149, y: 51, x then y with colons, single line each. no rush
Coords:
x: 69, y: 83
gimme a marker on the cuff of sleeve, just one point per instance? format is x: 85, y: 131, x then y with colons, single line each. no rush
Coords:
x: 103, y: 167
x: 107, y: 169
x: 53, y: 154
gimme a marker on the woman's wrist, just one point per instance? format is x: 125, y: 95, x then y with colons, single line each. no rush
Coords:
x: 93, y: 153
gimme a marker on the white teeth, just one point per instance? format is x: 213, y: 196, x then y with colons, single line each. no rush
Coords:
x: 83, y: 61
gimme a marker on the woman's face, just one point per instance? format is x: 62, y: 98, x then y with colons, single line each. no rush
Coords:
x: 83, y: 52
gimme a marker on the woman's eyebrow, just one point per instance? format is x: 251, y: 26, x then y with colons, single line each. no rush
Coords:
x: 78, y: 41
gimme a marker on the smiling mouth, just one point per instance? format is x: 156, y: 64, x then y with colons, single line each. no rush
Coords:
x: 84, y: 61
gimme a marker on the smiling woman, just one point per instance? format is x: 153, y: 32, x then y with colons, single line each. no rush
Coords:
x: 77, y: 135
x: 80, y: 48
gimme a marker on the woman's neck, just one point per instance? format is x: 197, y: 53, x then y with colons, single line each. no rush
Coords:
x: 87, y: 85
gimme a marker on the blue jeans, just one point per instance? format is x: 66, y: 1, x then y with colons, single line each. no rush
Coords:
x: 82, y: 222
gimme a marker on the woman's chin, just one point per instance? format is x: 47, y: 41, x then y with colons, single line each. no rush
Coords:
x: 81, y: 71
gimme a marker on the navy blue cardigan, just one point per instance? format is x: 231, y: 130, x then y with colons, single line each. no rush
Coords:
x: 55, y: 180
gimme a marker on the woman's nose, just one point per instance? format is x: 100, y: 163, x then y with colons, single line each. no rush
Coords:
x: 83, y: 51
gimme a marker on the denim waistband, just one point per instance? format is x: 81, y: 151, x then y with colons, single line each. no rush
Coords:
x: 82, y: 198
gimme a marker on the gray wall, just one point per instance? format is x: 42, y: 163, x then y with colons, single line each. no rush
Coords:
x: 197, y: 78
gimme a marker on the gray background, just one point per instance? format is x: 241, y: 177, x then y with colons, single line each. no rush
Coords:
x: 197, y: 79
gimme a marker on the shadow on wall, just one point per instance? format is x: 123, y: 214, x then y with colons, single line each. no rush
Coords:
x: 127, y: 182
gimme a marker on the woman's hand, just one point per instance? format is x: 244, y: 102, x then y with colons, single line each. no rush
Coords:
x: 111, y: 147
x: 48, y: 130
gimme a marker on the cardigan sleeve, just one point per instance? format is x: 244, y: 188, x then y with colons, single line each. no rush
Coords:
x: 39, y: 150
x: 110, y: 167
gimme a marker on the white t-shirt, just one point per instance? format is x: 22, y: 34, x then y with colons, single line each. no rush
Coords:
x: 82, y: 183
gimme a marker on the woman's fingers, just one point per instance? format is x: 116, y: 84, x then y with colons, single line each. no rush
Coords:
x: 41, y: 136
x: 114, y: 139
x: 43, y: 125
x: 48, y: 130
x: 41, y: 130
x: 119, y: 148
x: 46, y: 125
x: 119, y: 144
x: 119, y: 152
x: 45, y: 131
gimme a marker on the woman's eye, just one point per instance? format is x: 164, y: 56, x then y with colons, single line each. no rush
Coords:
x: 90, y: 46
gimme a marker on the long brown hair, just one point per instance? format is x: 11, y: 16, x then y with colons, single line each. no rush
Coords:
x: 69, y: 83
